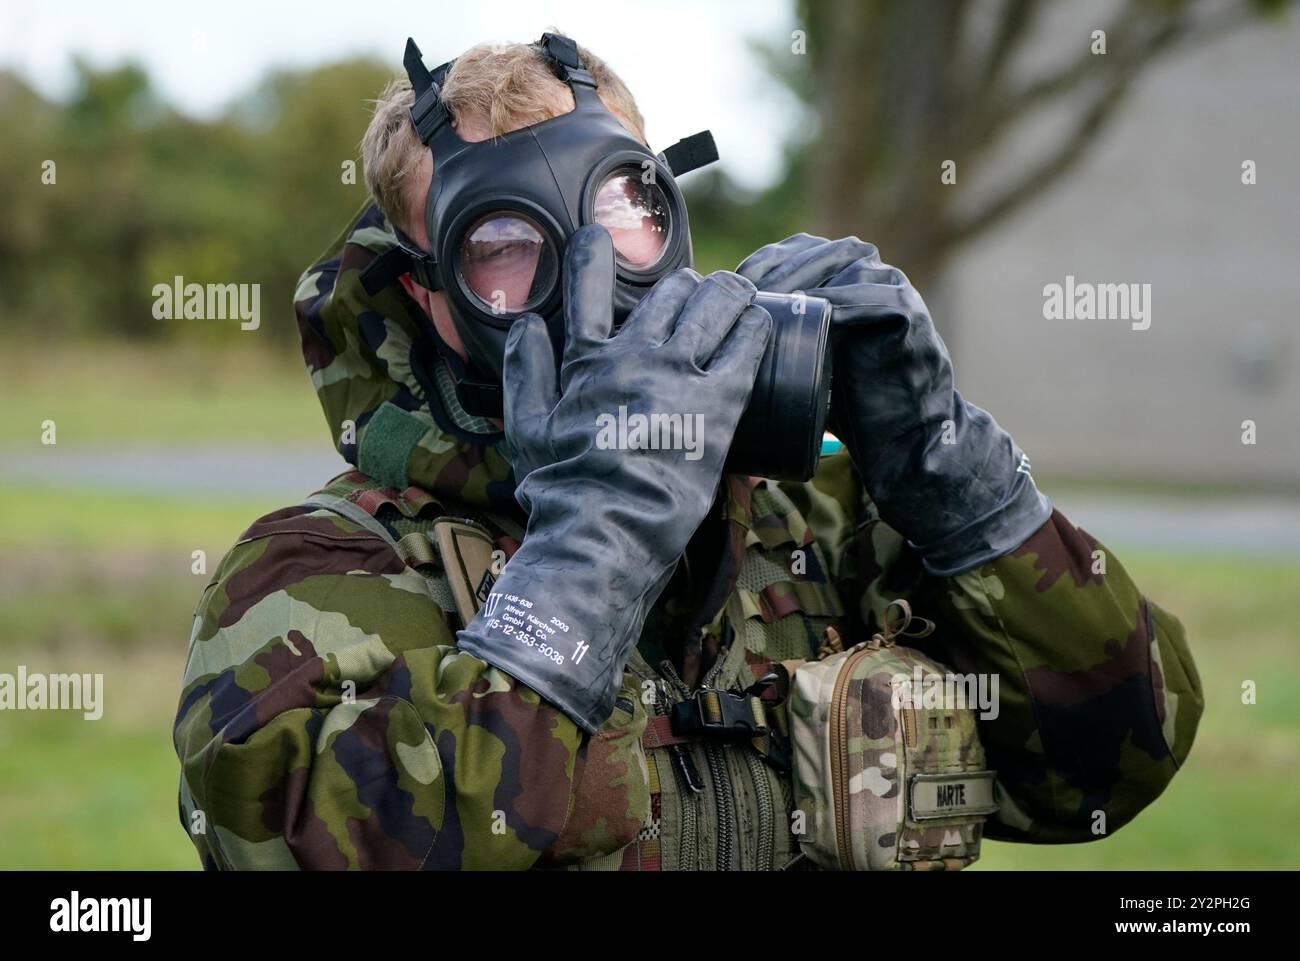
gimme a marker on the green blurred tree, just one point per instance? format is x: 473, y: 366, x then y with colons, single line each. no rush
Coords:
x: 142, y: 194
x: 306, y: 127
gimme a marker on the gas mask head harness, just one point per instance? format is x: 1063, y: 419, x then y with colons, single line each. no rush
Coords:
x: 500, y: 211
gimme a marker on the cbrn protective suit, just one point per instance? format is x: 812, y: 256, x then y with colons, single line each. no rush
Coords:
x: 328, y: 719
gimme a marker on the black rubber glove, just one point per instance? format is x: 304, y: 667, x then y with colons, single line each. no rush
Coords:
x: 940, y: 470
x: 606, y: 526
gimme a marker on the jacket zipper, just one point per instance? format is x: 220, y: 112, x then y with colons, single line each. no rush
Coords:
x: 840, y: 758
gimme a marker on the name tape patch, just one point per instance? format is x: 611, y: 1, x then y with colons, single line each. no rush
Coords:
x: 951, y: 795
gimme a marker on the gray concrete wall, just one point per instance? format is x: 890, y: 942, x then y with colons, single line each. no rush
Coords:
x: 1158, y: 201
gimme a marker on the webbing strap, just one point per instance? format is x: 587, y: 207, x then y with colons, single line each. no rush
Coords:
x: 341, y: 505
x: 413, y: 549
x: 428, y: 114
x: 561, y: 53
x: 416, y: 548
x: 560, y: 49
x: 659, y: 733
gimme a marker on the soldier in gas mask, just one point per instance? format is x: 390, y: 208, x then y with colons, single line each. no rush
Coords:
x: 518, y: 635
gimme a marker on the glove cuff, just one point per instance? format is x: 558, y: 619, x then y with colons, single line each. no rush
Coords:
x: 581, y: 711
x: 961, y: 499
x: 993, y: 535
x: 550, y: 624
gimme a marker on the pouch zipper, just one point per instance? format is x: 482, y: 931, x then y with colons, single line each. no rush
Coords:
x: 766, y: 812
x: 722, y: 788
x: 722, y: 799
x: 840, y: 758
x: 689, y: 797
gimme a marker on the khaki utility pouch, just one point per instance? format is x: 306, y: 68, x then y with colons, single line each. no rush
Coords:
x: 885, y: 781
x: 466, y: 552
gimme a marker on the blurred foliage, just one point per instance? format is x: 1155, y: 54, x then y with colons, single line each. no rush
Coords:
x: 142, y: 194
x: 132, y: 393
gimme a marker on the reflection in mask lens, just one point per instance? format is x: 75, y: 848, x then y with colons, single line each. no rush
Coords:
x: 507, y: 263
x: 636, y: 216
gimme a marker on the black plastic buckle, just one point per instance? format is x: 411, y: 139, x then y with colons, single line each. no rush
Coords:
x: 560, y: 50
x: 717, y: 713
x: 428, y: 114
x: 562, y: 54
x: 775, y: 749
x: 422, y: 267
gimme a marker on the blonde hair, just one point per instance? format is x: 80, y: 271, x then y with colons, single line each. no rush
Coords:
x: 505, y: 86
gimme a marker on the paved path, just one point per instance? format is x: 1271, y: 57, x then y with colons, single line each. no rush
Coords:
x: 1263, y: 524
x: 216, y: 470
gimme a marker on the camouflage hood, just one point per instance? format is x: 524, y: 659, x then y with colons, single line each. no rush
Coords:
x: 386, y: 393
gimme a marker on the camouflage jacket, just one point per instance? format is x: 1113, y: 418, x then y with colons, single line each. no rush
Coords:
x: 327, y: 719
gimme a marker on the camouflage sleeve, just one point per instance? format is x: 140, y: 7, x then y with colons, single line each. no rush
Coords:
x: 1098, y: 696
x: 1099, y: 699
x: 328, y: 721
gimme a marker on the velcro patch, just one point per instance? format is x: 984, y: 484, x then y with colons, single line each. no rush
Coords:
x: 387, y: 442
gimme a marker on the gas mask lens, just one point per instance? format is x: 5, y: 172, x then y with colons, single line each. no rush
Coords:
x: 506, y: 262
x: 636, y: 215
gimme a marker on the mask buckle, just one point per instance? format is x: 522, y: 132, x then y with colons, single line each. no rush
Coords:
x: 562, y: 54
x: 427, y: 113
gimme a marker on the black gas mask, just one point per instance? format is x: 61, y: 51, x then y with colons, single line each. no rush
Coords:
x: 500, y: 212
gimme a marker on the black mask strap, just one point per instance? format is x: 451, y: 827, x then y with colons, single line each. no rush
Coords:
x: 692, y: 153
x: 384, y: 270
x: 405, y: 258
x: 561, y: 54
x: 428, y: 112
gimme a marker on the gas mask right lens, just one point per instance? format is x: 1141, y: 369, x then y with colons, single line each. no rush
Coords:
x: 636, y: 214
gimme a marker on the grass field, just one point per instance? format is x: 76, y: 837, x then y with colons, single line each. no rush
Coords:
x: 103, y: 584
x: 101, y: 794
x: 110, y: 394
x: 1229, y: 806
